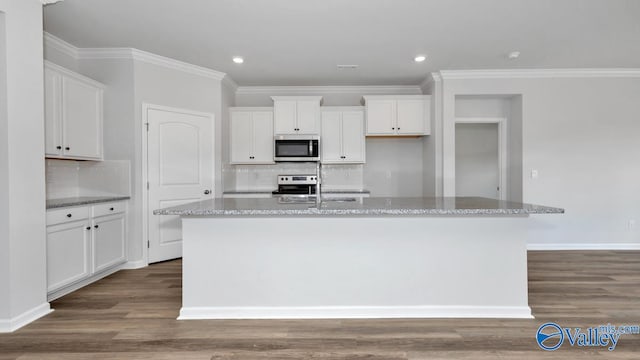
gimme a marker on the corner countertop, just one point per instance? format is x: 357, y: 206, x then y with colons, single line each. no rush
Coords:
x: 82, y: 200
x: 373, y: 206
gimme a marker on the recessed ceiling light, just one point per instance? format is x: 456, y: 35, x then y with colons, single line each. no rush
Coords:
x: 420, y: 58
x: 514, y: 55
x: 238, y: 60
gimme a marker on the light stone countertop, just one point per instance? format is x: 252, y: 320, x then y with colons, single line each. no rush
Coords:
x: 373, y: 206
x: 82, y: 200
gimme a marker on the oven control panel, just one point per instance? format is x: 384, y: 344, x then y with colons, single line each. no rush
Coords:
x: 297, y: 180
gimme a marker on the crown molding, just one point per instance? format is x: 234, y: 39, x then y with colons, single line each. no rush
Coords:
x: 432, y: 78
x: 228, y: 81
x: 538, y: 73
x: 319, y: 90
x: 150, y: 58
x: 47, y: 2
x: 55, y: 43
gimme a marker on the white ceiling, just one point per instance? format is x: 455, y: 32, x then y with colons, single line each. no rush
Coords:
x: 300, y: 42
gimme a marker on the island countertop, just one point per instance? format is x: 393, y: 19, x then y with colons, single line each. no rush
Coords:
x: 373, y: 206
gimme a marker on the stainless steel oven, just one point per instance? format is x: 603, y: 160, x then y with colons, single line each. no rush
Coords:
x: 297, y: 148
x: 297, y: 185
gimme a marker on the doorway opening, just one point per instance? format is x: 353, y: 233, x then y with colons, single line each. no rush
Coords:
x: 481, y: 157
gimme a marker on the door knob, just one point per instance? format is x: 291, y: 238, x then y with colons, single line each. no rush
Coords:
x: 207, y: 192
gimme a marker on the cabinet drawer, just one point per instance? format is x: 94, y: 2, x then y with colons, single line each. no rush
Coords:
x: 108, y: 209
x: 65, y: 215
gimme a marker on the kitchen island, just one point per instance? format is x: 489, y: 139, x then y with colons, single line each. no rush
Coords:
x: 355, y: 258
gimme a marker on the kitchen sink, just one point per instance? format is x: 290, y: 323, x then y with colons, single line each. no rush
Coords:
x: 309, y: 199
x: 339, y: 199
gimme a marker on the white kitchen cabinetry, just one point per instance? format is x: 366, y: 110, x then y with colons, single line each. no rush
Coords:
x: 73, y: 115
x: 398, y: 115
x: 84, y: 244
x: 251, y: 136
x: 68, y: 253
x: 342, y: 135
x: 296, y: 115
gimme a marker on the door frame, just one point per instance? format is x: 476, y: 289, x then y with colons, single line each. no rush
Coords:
x: 502, y: 147
x: 145, y: 162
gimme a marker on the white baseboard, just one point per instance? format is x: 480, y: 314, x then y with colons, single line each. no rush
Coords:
x: 131, y: 265
x: 572, y: 246
x: 13, y: 324
x: 354, y: 312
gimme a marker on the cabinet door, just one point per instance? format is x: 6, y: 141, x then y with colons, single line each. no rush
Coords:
x: 353, y: 146
x: 381, y: 117
x: 284, y: 116
x: 263, y: 137
x: 330, y: 138
x: 108, y: 241
x: 67, y: 254
x: 82, y: 119
x: 411, y: 117
x: 308, y: 116
x: 52, y: 113
x: 241, y: 137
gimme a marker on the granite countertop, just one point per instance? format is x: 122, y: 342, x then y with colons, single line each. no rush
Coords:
x: 82, y: 200
x: 362, y: 206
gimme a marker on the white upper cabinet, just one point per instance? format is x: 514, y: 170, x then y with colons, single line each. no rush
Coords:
x: 397, y: 115
x: 251, y: 136
x: 342, y: 138
x: 296, y: 115
x: 73, y: 115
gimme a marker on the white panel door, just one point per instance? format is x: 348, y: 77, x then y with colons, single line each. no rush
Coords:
x: 353, y: 137
x: 242, y: 137
x: 410, y: 117
x: 180, y: 170
x: 52, y: 113
x: 108, y: 241
x: 331, y: 144
x: 284, y: 116
x: 308, y: 116
x: 67, y: 254
x: 82, y: 119
x: 263, y: 137
x: 381, y: 117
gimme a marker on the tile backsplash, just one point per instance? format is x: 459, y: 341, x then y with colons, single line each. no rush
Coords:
x: 264, y: 177
x: 69, y: 178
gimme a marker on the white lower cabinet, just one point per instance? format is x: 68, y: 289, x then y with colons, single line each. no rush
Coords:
x: 108, y: 241
x: 68, y: 250
x: 84, y: 244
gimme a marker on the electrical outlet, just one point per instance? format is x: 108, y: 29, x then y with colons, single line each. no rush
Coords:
x: 632, y: 224
x: 388, y: 174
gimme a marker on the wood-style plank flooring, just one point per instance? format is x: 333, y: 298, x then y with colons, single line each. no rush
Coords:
x: 131, y: 315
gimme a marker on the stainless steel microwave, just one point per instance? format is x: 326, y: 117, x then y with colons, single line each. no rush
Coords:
x: 296, y: 148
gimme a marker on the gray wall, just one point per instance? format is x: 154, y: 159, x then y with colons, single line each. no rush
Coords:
x: 477, y: 165
x: 23, y: 277
x: 583, y: 137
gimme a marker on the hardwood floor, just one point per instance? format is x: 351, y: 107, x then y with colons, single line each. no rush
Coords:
x: 131, y: 315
